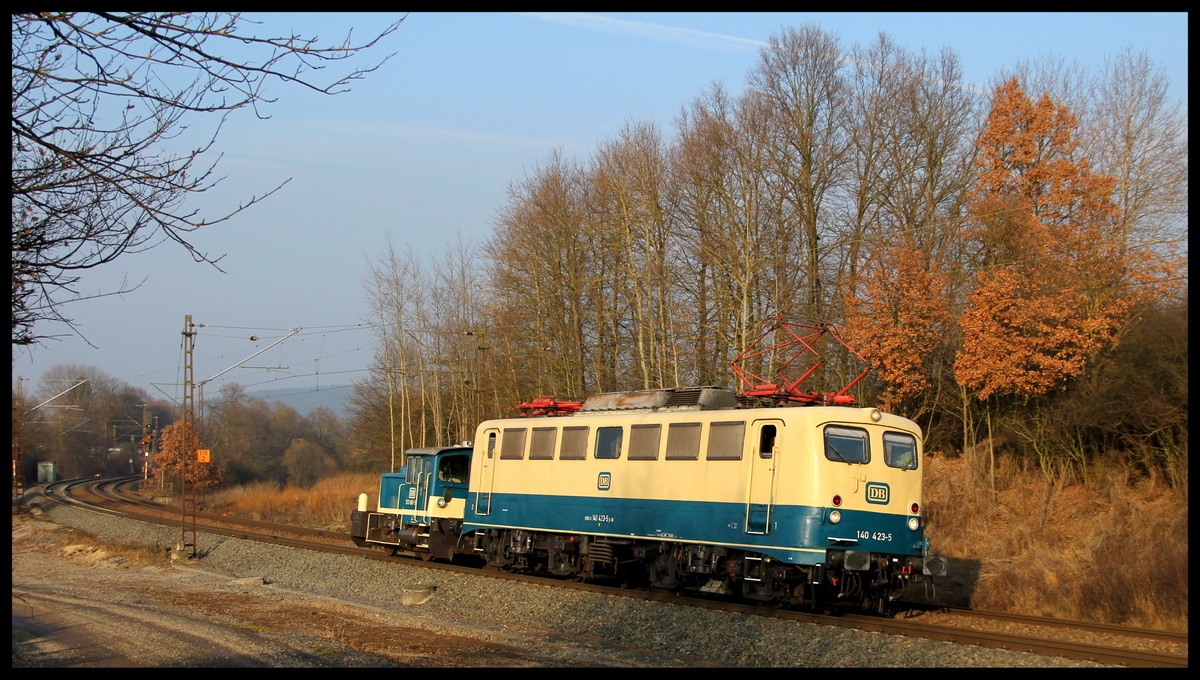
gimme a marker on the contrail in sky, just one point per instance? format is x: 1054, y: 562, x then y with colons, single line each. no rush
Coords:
x: 686, y: 36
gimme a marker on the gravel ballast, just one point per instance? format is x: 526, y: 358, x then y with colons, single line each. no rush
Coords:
x: 618, y: 630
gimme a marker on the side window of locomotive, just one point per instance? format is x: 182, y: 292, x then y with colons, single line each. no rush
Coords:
x: 766, y: 441
x: 683, y: 441
x: 541, y: 446
x: 900, y: 450
x: 725, y: 441
x: 512, y: 446
x: 491, y: 449
x: 643, y: 442
x: 847, y: 445
x: 454, y: 469
x: 412, y: 470
x: 574, y: 443
x: 608, y: 442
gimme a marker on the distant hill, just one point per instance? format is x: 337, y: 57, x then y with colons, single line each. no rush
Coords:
x: 305, y: 399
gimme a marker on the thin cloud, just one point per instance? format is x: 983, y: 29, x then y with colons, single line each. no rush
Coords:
x: 685, y: 36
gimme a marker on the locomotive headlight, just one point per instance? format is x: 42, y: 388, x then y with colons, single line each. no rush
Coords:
x: 442, y: 503
x: 876, y: 415
x: 914, y: 523
x: 835, y: 517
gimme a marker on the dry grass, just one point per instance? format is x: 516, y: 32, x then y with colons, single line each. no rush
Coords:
x: 324, y: 505
x: 1111, y: 551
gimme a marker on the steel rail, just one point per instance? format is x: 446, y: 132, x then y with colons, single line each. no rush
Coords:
x: 118, y: 496
x: 1048, y: 622
x: 1071, y: 650
x: 62, y: 492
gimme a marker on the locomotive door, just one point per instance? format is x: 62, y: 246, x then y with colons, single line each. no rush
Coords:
x: 764, y: 463
x: 483, y: 501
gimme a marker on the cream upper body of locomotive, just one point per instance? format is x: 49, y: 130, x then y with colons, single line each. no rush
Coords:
x: 699, y: 455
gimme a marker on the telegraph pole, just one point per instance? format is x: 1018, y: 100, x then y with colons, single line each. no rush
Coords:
x: 18, y: 445
x: 187, y: 484
x: 193, y: 454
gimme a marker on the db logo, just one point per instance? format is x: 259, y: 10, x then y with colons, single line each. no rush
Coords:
x: 604, y: 481
x: 878, y: 493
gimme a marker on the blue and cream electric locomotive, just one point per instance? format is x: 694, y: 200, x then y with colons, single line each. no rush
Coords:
x: 681, y: 489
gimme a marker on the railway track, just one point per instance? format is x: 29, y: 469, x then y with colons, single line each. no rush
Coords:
x: 1107, y: 644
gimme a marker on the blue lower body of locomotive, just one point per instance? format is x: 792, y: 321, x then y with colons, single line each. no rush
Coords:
x: 794, y: 534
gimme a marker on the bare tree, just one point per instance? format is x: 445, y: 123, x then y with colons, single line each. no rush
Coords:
x: 876, y: 85
x: 728, y: 227
x: 1138, y: 134
x: 431, y: 334
x: 548, y: 283
x: 802, y: 75
x: 630, y: 205
x: 96, y: 99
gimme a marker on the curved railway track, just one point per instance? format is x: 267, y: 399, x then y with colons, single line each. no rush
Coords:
x: 109, y: 495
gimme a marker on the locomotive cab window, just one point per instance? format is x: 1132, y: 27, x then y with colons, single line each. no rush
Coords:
x: 900, y: 450
x: 454, y: 469
x: 847, y: 445
x: 608, y: 442
x: 412, y: 470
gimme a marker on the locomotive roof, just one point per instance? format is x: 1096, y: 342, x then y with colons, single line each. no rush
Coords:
x: 676, y: 398
x: 434, y: 450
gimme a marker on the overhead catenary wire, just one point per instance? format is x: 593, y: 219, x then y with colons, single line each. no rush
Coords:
x: 175, y: 368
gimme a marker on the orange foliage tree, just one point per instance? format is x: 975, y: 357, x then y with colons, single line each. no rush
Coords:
x: 899, y: 318
x: 1049, y: 291
x: 178, y: 441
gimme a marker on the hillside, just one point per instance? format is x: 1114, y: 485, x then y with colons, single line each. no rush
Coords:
x: 304, y: 399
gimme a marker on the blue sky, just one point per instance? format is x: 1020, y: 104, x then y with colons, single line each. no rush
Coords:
x: 424, y: 149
